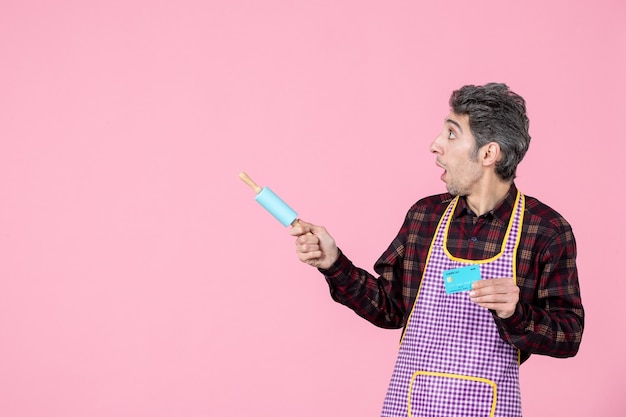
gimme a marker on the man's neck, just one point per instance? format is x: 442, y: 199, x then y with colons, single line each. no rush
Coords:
x: 488, y: 197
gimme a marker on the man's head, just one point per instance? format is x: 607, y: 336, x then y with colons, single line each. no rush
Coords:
x: 496, y: 114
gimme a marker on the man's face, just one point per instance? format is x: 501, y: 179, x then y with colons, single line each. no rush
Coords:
x: 454, y: 148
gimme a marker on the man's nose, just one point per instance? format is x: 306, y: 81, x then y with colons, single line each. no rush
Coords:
x: 434, y: 146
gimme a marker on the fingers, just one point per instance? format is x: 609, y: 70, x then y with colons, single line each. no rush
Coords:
x: 301, y: 228
x: 493, y: 286
x: 307, y: 244
x: 314, y: 245
x: 297, y: 229
x: 498, y: 294
x: 308, y: 249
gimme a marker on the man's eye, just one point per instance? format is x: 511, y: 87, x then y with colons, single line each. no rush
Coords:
x: 451, y: 135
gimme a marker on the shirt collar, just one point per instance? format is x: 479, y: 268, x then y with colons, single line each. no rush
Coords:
x: 502, y: 212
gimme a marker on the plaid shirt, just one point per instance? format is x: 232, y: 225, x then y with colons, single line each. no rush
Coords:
x: 549, y: 316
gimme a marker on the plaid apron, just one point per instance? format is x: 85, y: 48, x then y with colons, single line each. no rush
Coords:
x: 452, y: 361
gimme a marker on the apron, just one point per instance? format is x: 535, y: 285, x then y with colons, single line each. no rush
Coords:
x: 452, y: 361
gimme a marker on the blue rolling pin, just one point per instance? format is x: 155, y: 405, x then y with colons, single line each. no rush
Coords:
x: 272, y: 203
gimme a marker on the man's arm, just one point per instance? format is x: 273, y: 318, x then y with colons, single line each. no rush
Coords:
x: 550, y: 319
x: 378, y: 300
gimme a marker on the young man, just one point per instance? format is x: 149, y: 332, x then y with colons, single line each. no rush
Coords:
x: 480, y: 277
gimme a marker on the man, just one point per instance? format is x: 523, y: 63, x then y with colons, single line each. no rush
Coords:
x: 480, y: 277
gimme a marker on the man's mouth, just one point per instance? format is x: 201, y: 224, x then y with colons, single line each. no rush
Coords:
x: 442, y: 167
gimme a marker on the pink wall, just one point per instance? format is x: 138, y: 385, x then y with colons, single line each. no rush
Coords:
x: 138, y: 277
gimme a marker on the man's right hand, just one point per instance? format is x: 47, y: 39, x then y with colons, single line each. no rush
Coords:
x: 314, y: 245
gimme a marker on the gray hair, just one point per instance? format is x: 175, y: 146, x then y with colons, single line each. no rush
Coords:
x: 496, y: 114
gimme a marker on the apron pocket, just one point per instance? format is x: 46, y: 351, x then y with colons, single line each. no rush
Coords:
x: 440, y: 394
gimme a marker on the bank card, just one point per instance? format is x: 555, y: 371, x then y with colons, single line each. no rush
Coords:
x: 460, y: 279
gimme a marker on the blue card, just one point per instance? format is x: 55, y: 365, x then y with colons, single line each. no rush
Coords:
x: 461, y: 279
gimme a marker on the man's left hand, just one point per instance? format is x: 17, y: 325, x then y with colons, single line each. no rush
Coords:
x: 498, y: 294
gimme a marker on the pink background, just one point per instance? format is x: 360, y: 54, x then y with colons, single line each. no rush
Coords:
x: 138, y: 277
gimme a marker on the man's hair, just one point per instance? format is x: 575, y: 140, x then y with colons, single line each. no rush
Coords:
x: 496, y: 114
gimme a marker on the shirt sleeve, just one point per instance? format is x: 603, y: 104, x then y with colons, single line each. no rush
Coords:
x: 376, y: 299
x: 549, y: 317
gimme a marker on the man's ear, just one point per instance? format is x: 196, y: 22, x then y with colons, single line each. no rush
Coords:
x: 490, y: 154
